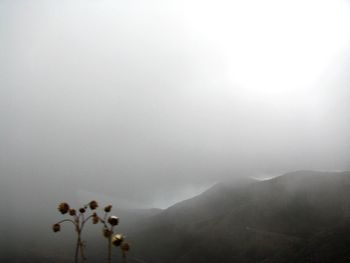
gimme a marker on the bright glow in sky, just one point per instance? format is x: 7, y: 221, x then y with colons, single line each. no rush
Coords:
x: 173, y: 94
x: 276, y: 51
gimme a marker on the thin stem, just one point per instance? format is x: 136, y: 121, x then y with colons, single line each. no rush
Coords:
x: 124, y: 256
x: 79, y: 231
x: 110, y: 248
x: 76, y: 251
x: 66, y: 220
x: 82, y: 249
x: 76, y: 224
x: 110, y: 244
x: 105, y: 216
x: 82, y: 217
x: 103, y: 221
x: 84, y: 221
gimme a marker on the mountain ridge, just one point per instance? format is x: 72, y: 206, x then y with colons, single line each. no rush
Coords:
x: 249, y: 220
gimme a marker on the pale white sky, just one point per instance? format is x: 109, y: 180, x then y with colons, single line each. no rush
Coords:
x: 153, y: 101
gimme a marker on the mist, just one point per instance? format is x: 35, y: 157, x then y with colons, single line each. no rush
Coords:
x: 151, y: 102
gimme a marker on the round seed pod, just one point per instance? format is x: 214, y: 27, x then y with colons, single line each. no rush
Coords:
x: 113, y: 220
x: 72, y: 212
x: 93, y: 205
x: 106, y: 233
x: 63, y: 208
x: 95, y: 218
x: 82, y: 210
x: 108, y: 208
x: 56, y: 228
x: 117, y: 240
x: 125, y: 246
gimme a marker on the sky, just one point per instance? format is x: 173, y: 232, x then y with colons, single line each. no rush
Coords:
x: 152, y: 102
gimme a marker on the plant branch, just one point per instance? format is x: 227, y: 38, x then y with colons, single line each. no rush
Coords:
x: 67, y: 220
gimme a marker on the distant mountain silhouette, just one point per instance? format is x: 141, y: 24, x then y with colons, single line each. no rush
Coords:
x: 298, y: 217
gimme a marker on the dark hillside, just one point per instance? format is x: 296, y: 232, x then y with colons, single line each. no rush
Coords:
x: 253, y: 221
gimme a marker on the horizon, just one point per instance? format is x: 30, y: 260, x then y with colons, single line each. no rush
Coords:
x: 153, y: 102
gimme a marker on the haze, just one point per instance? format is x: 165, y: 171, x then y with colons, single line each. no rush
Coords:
x: 153, y: 101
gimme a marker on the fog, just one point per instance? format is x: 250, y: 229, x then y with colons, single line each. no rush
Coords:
x: 151, y: 102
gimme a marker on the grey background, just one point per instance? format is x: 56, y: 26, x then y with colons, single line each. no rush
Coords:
x: 151, y: 102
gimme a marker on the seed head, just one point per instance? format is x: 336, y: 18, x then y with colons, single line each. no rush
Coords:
x: 125, y: 246
x: 72, y: 212
x: 56, y: 227
x: 93, y: 205
x: 106, y: 232
x: 117, y: 239
x: 82, y: 210
x: 108, y: 208
x: 95, y: 218
x: 63, y: 208
x: 113, y: 220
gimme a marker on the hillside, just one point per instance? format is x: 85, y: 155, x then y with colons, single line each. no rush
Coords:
x: 298, y: 217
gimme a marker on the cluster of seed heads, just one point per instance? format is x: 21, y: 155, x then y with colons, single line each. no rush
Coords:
x: 80, y: 218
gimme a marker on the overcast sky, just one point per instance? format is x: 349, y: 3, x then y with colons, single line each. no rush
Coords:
x: 153, y: 101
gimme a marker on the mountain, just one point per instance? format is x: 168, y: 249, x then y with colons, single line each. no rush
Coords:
x: 298, y: 217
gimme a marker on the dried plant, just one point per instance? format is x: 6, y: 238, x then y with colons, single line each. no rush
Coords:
x: 109, y: 223
x: 79, y: 220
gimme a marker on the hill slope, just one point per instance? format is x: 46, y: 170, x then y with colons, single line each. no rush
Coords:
x: 297, y: 217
